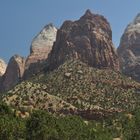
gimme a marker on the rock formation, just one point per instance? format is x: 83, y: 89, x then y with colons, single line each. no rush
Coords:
x: 14, y: 72
x: 2, y: 70
x: 40, y: 48
x: 129, y: 49
x: 88, y: 39
x: 2, y: 67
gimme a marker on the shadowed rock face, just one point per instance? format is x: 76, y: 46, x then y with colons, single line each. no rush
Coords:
x: 2, y: 67
x: 40, y: 48
x: 88, y: 39
x: 129, y: 49
x: 14, y: 72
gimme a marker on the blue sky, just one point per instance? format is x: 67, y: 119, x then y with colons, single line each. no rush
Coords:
x: 21, y: 20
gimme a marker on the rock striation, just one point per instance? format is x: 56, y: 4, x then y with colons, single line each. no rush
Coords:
x: 40, y: 48
x: 88, y: 39
x: 3, y: 66
x: 129, y: 49
x: 14, y: 72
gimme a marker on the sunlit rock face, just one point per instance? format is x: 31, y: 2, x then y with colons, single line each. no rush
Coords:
x: 3, y: 66
x: 40, y: 48
x: 2, y: 70
x: 88, y: 39
x: 129, y: 49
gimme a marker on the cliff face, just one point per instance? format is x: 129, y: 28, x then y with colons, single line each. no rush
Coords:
x: 2, y: 67
x: 129, y: 49
x: 40, y: 48
x: 88, y: 39
x: 14, y: 72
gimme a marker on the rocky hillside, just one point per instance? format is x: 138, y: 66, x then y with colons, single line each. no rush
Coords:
x: 29, y: 96
x: 40, y: 48
x: 129, y: 49
x: 88, y: 39
x: 91, y: 93
x: 86, y: 87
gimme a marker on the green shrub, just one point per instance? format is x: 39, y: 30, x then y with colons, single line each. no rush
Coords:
x: 41, y: 126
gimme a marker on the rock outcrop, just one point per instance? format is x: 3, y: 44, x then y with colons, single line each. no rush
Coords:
x: 2, y: 70
x: 40, y: 48
x: 129, y: 49
x: 2, y: 67
x: 14, y: 72
x: 88, y: 39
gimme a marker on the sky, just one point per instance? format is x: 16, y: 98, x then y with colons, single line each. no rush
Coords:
x: 22, y: 20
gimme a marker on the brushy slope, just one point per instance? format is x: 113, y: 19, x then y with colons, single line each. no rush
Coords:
x: 79, y: 86
x: 87, y: 87
x: 29, y: 96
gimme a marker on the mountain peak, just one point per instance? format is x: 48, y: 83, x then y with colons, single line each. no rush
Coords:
x: 134, y: 26
x: 88, y: 12
x: 129, y: 49
x: 137, y: 19
x: 50, y: 25
x: 46, y: 36
x: 16, y: 57
x: 83, y: 39
x: 40, y: 48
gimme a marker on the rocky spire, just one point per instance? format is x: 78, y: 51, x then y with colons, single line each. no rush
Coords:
x: 14, y: 72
